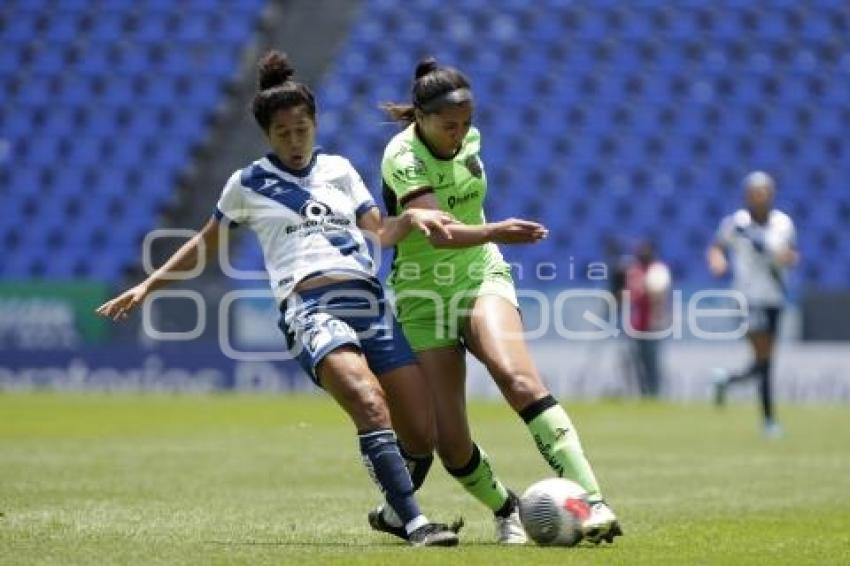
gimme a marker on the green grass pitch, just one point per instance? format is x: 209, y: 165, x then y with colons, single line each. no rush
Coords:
x: 231, y: 479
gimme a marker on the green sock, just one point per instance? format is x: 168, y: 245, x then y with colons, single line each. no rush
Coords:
x: 558, y: 442
x: 478, y: 479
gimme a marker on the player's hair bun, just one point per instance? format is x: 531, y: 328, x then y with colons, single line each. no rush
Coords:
x: 274, y: 70
x: 425, y: 66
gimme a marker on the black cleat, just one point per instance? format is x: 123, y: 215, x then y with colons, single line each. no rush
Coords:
x: 433, y: 534
x: 379, y: 523
x: 615, y: 531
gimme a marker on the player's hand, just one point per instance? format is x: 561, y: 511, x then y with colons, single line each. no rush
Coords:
x: 717, y: 264
x: 425, y: 220
x: 518, y: 231
x: 118, y: 307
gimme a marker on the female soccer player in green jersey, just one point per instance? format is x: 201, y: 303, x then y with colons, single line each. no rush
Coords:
x: 456, y: 294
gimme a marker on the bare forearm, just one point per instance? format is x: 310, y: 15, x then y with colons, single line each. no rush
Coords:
x: 716, y: 259
x: 198, y: 249
x: 715, y: 254
x: 394, y: 229
x: 194, y: 251
x: 463, y: 236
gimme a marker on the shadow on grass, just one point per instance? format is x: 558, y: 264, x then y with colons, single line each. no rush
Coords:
x: 328, y: 544
x: 393, y: 544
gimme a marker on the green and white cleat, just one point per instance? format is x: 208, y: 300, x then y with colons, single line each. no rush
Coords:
x: 602, y: 524
x: 509, y: 529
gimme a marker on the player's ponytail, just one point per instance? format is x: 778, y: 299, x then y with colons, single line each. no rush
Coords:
x: 276, y: 89
x: 434, y: 87
x: 424, y: 67
x: 274, y: 70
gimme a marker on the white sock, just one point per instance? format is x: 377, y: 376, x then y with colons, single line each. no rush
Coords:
x: 416, y: 523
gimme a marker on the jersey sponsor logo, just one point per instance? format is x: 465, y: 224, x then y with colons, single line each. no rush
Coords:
x: 454, y: 201
x: 406, y: 174
x: 473, y: 164
x: 322, y: 224
x: 411, y: 172
x: 419, y: 165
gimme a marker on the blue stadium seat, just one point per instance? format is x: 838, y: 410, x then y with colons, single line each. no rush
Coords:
x: 108, y: 26
x: 637, y: 101
x: 640, y: 113
x: 92, y: 103
x: 23, y: 30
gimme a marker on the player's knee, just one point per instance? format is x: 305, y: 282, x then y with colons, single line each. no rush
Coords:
x: 454, y: 457
x: 370, y: 408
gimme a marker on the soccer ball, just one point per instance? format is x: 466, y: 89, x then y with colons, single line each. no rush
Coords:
x: 552, y: 512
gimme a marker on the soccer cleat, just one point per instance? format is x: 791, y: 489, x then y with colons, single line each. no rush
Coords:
x: 602, y: 525
x: 384, y: 519
x: 433, y: 534
x: 773, y: 430
x: 509, y: 529
x: 720, y: 383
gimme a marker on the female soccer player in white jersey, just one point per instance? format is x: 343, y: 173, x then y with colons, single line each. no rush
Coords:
x: 762, y: 243
x: 457, y: 294
x: 307, y: 210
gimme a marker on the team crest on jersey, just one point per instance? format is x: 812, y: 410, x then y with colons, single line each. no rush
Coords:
x: 474, y: 165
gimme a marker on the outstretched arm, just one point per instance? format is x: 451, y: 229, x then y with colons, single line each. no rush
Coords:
x: 716, y: 258
x: 206, y: 241
x: 392, y: 229
x: 510, y: 231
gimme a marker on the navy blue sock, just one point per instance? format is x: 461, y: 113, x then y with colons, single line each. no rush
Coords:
x: 386, y: 466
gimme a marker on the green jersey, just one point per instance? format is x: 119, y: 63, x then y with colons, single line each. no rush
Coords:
x: 459, y: 184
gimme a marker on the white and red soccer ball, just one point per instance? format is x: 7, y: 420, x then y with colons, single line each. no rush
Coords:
x: 553, y: 511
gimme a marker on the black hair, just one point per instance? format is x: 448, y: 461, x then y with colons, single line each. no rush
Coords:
x: 431, y: 82
x: 277, y: 90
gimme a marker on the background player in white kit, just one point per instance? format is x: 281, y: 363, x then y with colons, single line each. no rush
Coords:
x: 762, y: 243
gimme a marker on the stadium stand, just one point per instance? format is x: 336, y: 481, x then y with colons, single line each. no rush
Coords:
x: 101, y: 105
x: 599, y: 118
x: 635, y: 118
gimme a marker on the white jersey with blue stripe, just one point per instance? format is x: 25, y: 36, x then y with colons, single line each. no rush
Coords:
x: 305, y: 221
x: 754, y: 248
